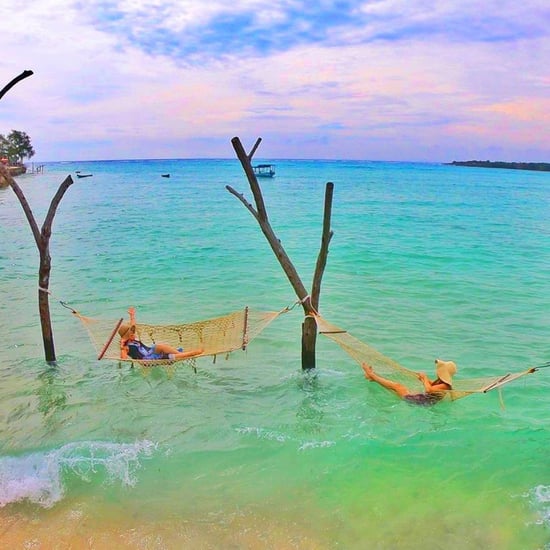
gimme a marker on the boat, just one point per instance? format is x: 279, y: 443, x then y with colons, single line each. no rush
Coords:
x: 84, y: 175
x: 264, y: 170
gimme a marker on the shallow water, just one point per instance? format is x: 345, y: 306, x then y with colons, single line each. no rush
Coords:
x: 426, y: 261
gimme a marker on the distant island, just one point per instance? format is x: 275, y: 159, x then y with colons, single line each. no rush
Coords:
x: 538, y: 166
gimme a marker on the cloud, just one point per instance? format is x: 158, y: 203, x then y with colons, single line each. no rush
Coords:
x: 192, y: 31
x: 367, y: 79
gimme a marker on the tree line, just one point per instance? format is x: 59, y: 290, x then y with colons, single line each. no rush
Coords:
x: 538, y: 166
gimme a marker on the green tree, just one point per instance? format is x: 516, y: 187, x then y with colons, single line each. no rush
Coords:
x: 16, y: 146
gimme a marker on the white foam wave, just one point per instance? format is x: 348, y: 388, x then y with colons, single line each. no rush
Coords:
x: 271, y: 435
x: 316, y: 445
x: 261, y: 433
x: 38, y: 477
x: 540, y: 497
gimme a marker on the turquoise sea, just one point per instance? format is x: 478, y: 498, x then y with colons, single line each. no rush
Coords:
x: 426, y: 261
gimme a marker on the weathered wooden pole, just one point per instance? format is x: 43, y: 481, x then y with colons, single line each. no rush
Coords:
x: 310, y: 302
x: 14, y: 81
x: 42, y: 239
x: 309, y: 327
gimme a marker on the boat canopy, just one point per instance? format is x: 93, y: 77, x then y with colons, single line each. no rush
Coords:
x: 264, y: 170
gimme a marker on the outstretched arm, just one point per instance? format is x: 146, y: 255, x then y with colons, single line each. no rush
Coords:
x: 132, y: 313
x: 132, y: 332
x: 129, y: 334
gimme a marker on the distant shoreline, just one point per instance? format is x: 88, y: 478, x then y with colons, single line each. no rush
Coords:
x: 537, y: 166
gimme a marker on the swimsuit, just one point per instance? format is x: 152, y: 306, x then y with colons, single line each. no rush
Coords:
x: 423, y: 399
x: 426, y: 399
x: 138, y: 350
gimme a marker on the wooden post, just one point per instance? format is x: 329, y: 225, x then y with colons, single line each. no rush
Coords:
x: 309, y: 327
x: 309, y: 341
x: 323, y: 251
x: 245, y: 329
x: 42, y: 239
x: 310, y: 303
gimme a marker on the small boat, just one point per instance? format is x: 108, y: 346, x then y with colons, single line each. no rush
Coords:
x: 84, y: 175
x: 165, y: 175
x: 264, y: 170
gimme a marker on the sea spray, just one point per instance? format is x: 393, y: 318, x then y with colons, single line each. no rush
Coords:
x: 540, y: 498
x: 38, y: 477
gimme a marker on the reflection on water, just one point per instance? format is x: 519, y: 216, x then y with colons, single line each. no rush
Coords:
x: 52, y: 398
x: 310, y: 410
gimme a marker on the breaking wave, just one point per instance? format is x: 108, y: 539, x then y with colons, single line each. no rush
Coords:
x: 38, y: 477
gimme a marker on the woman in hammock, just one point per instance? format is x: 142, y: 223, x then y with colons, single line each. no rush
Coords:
x: 445, y: 370
x: 132, y: 348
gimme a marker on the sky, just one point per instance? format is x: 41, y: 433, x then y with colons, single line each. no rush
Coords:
x: 401, y: 80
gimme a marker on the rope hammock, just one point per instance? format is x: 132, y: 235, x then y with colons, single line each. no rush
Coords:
x: 220, y: 335
x: 363, y: 353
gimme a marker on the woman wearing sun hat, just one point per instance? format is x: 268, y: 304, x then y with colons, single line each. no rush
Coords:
x: 445, y: 370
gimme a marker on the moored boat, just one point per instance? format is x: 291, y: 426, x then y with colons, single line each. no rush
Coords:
x: 264, y: 170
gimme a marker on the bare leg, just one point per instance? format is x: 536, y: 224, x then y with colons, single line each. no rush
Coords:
x: 188, y: 354
x: 395, y: 387
x: 165, y: 348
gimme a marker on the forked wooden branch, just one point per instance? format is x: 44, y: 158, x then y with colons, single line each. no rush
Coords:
x: 323, y: 250
x: 26, y: 208
x: 48, y: 220
x: 310, y: 304
x: 240, y: 196
x: 11, y: 84
x: 265, y: 226
x: 248, y: 170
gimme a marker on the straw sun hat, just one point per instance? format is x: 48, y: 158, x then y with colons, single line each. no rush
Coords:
x: 445, y: 370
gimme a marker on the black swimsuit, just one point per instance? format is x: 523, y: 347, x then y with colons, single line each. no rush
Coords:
x: 426, y: 399
x: 423, y: 399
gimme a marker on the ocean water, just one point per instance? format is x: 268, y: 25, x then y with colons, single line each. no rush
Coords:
x: 426, y: 261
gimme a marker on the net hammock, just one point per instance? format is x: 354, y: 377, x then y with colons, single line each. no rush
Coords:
x: 220, y: 335
x: 386, y: 367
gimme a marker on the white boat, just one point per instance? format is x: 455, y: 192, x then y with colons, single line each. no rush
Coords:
x: 264, y: 170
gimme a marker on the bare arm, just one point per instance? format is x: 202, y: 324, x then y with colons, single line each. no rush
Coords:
x: 130, y: 334
x: 430, y: 387
x: 132, y: 313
